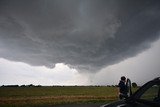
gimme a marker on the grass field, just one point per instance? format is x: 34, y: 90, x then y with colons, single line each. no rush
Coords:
x: 40, y: 96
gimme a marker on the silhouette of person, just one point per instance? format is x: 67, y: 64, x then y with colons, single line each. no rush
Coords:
x: 122, y: 88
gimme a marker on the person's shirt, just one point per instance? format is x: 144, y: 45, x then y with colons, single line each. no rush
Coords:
x: 122, y: 87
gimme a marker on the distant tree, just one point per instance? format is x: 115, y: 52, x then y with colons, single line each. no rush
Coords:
x: 23, y: 86
x: 11, y: 85
x: 38, y: 86
x: 116, y: 85
x: 31, y: 85
x: 134, y: 85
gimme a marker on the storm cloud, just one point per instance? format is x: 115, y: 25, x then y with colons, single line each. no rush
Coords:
x: 83, y: 34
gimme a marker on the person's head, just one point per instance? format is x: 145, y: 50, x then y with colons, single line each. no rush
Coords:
x: 123, y: 78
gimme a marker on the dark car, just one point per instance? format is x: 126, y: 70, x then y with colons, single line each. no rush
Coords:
x: 146, y: 96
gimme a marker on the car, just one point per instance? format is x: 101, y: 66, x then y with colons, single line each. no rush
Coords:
x: 146, y: 96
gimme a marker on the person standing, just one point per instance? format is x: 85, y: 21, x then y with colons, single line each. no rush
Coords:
x: 122, y: 88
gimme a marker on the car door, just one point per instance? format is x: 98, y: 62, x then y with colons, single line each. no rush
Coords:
x: 129, y: 87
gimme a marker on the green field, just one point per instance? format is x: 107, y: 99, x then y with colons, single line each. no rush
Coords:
x: 39, y: 96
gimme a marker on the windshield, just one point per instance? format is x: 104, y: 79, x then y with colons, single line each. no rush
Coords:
x: 151, y: 94
x: 148, y: 94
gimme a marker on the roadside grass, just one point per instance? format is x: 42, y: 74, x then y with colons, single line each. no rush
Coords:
x: 46, y: 96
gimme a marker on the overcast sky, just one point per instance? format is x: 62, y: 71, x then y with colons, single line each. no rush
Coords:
x: 79, y: 42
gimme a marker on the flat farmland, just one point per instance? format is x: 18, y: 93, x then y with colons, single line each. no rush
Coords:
x: 56, y: 95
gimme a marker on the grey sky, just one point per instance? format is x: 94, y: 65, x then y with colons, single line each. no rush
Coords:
x: 87, y: 35
x: 140, y: 69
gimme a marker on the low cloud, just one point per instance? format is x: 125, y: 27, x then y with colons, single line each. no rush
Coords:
x: 86, y: 35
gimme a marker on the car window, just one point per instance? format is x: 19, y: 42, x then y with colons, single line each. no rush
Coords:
x: 152, y: 94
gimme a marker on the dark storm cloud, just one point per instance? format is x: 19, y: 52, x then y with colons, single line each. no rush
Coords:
x: 83, y: 34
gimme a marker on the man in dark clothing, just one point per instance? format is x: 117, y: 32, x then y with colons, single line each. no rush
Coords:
x: 122, y: 87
